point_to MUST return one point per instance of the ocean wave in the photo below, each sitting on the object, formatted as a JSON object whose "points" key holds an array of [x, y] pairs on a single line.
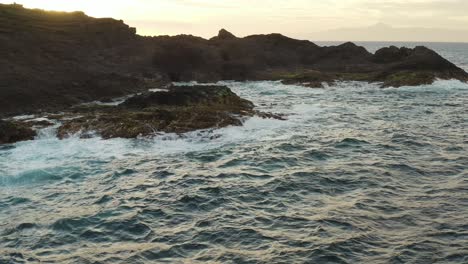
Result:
{"points": [[355, 174]]}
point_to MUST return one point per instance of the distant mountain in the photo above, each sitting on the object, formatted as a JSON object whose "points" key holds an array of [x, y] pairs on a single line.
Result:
{"points": [[383, 32]]}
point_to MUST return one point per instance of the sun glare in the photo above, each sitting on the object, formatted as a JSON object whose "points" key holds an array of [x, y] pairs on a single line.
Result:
{"points": [[101, 8]]}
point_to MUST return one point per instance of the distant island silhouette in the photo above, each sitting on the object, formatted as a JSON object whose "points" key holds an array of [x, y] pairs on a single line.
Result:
{"points": [[384, 32]]}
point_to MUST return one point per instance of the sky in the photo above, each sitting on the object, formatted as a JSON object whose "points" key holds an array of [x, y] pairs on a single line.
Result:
{"points": [[295, 18]]}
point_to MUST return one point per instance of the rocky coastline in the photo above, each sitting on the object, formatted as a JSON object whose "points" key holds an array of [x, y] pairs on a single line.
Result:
{"points": [[175, 109], [178, 110], [53, 62]]}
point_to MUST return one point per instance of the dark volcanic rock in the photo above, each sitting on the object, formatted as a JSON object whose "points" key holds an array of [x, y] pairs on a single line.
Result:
{"points": [[52, 60], [181, 109], [13, 132], [224, 35], [347, 57], [203, 95], [276, 57], [414, 67], [391, 54], [186, 58]]}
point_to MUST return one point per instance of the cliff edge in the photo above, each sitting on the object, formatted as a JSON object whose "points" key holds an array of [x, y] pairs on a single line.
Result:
{"points": [[52, 60]]}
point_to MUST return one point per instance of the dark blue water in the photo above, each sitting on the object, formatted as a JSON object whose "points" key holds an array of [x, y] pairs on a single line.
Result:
{"points": [[357, 174]]}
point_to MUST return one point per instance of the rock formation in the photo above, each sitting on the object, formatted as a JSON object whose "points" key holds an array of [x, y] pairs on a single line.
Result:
{"points": [[50, 61], [178, 110], [12, 132]]}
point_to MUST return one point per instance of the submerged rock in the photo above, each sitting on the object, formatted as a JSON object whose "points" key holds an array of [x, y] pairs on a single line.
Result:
{"points": [[181, 109], [11, 132]]}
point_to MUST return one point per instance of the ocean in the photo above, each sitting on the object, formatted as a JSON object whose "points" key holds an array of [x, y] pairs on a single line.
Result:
{"points": [[356, 174]]}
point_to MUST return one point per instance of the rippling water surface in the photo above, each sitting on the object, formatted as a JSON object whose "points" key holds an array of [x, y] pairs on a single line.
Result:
{"points": [[357, 174]]}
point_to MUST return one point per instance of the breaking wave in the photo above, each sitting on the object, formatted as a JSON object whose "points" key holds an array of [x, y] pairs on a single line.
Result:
{"points": [[356, 174]]}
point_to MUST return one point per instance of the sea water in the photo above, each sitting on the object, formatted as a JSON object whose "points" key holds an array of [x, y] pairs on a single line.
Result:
{"points": [[356, 174]]}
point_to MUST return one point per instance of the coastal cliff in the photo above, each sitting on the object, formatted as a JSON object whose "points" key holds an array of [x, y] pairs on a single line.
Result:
{"points": [[52, 60]]}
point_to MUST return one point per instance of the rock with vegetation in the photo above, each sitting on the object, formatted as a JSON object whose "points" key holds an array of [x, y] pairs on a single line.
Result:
{"points": [[178, 110]]}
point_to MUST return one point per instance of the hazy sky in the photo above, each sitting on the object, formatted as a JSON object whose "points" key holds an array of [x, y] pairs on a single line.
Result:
{"points": [[296, 18]]}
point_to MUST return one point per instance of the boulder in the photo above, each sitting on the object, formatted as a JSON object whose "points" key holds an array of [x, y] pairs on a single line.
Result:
{"points": [[198, 95], [224, 35], [11, 132], [391, 54], [181, 109]]}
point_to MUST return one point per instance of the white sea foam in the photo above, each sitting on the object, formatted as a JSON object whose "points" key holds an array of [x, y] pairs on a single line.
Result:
{"points": [[438, 86], [301, 106], [23, 117], [158, 90], [114, 102]]}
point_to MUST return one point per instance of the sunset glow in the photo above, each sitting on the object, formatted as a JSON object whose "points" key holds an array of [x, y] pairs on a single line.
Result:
{"points": [[93, 8], [296, 18]]}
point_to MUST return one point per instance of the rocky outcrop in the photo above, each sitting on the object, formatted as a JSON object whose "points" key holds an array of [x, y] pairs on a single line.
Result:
{"points": [[50, 61], [11, 132], [276, 57], [178, 110], [388, 66], [224, 35], [53, 60], [414, 67], [185, 96], [391, 54]]}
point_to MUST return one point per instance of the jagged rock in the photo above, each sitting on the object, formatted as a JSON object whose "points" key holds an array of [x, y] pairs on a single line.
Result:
{"points": [[180, 109], [415, 67], [199, 95], [11, 132], [224, 35], [52, 60], [391, 54]]}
